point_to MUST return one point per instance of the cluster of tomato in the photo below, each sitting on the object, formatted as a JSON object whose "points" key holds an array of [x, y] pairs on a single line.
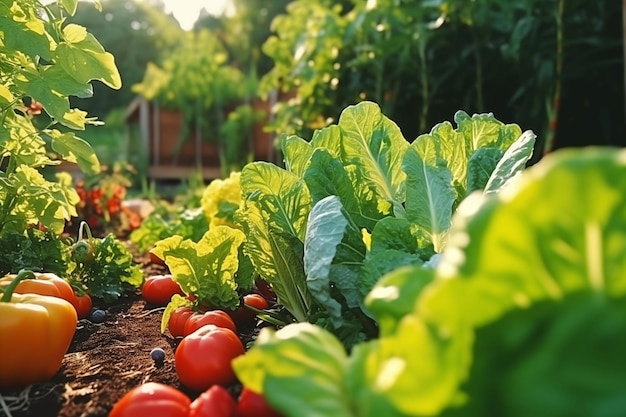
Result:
{"points": [[208, 343]]}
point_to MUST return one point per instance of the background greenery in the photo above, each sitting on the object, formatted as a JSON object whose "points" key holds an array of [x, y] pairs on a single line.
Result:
{"points": [[420, 60]]}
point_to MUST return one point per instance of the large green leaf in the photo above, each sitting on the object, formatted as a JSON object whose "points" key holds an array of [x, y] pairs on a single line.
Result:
{"points": [[429, 192], [558, 231], [75, 149], [512, 163], [300, 370], [325, 231], [82, 56], [23, 32], [481, 166], [485, 131], [275, 210], [326, 176], [375, 146]]}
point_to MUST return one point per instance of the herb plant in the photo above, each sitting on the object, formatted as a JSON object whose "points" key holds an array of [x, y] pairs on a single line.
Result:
{"points": [[44, 61]]}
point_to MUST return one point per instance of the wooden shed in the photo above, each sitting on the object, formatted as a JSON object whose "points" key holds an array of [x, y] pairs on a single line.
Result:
{"points": [[154, 132]]}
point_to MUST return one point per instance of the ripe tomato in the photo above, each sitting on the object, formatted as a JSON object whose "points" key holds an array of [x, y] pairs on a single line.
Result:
{"points": [[203, 358], [252, 404], [156, 260], [158, 289], [214, 402], [217, 317], [152, 399], [177, 320], [83, 305], [265, 290], [243, 315]]}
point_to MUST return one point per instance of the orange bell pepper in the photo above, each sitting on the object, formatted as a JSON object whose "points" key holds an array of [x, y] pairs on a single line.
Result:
{"points": [[42, 283], [36, 331]]}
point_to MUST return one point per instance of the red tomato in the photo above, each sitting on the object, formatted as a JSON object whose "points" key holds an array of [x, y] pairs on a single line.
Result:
{"points": [[203, 357], [152, 399], [252, 404], [214, 402], [265, 290], [159, 289], [177, 320], [156, 260], [217, 317], [83, 305], [243, 315]]}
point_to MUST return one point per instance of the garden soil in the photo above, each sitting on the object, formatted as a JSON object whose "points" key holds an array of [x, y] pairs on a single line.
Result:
{"points": [[105, 361]]}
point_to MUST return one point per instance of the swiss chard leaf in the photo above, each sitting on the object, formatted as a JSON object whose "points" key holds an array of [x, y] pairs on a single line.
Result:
{"points": [[481, 166], [429, 193], [512, 163]]}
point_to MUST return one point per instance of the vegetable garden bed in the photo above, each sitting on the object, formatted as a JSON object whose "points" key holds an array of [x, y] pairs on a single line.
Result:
{"points": [[106, 360]]}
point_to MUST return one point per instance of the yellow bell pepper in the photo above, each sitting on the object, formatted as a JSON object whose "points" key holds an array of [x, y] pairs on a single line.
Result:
{"points": [[35, 333]]}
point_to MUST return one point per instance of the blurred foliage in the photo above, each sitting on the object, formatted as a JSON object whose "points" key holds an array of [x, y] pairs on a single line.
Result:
{"points": [[419, 60], [423, 60]]}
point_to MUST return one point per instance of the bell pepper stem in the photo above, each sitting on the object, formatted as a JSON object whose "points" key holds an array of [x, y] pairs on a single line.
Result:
{"points": [[8, 291]]}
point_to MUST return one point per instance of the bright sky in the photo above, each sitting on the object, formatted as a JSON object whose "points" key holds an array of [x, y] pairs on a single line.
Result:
{"points": [[186, 11]]}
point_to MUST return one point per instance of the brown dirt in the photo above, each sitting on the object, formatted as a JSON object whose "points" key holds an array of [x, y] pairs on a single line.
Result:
{"points": [[106, 360]]}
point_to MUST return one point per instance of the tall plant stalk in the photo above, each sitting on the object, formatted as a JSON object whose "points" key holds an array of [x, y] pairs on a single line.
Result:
{"points": [[553, 109]]}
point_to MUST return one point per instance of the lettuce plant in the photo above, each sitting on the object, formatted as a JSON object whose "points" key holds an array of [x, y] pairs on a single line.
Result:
{"points": [[305, 223], [44, 61], [523, 315]]}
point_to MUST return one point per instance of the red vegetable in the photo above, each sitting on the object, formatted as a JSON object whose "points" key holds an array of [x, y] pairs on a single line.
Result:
{"points": [[265, 290], [177, 320], [203, 357], [252, 404], [152, 399], [214, 402], [159, 289], [216, 317], [156, 260], [82, 304], [243, 315]]}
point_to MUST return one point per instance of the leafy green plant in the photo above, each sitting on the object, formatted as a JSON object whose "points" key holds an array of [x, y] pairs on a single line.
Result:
{"points": [[44, 61], [305, 223], [530, 287], [102, 267]]}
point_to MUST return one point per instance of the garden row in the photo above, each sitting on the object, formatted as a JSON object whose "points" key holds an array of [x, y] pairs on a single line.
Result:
{"points": [[438, 276]]}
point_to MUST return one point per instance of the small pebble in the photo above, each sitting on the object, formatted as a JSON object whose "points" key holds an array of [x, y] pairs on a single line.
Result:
{"points": [[98, 316], [157, 355]]}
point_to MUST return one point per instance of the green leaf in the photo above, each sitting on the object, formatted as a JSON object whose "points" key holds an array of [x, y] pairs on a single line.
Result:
{"points": [[375, 146], [512, 163], [26, 36], [393, 233], [379, 264], [289, 283], [325, 231], [207, 268], [61, 82], [556, 232], [76, 150], [84, 59], [297, 153], [429, 193], [69, 5], [413, 372], [395, 295], [485, 131], [480, 167], [299, 369], [326, 176]]}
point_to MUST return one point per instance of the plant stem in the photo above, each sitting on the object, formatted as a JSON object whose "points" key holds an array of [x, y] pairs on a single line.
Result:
{"points": [[10, 289], [553, 110]]}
